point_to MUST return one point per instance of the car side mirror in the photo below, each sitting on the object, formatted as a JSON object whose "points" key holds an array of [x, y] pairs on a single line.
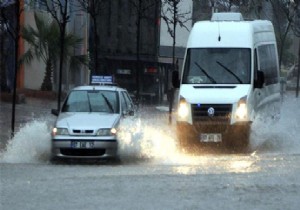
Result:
{"points": [[175, 79], [131, 113], [260, 79], [128, 113], [54, 112]]}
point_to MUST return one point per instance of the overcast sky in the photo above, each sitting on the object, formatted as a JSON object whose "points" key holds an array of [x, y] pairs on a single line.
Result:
{"points": [[181, 33]]}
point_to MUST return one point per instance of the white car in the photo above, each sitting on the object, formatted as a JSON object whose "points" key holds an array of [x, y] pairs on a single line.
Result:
{"points": [[88, 121]]}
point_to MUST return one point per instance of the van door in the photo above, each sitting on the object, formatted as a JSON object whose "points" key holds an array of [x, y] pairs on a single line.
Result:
{"points": [[266, 81]]}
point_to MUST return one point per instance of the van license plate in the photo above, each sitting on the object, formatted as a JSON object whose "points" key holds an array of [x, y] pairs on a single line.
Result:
{"points": [[82, 144], [211, 137]]}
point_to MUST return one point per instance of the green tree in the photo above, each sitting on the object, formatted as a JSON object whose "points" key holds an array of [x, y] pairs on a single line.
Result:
{"points": [[44, 42]]}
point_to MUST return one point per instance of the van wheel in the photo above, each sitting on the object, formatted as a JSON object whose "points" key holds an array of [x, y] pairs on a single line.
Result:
{"points": [[237, 138], [185, 137]]}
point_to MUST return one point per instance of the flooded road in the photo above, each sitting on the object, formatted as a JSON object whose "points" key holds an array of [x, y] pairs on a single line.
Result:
{"points": [[153, 173]]}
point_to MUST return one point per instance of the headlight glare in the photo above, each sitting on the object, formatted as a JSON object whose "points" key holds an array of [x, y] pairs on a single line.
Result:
{"points": [[241, 111], [183, 109], [113, 131]]}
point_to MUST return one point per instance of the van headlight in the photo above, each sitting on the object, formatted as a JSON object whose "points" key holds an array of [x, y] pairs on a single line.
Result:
{"points": [[241, 111], [60, 131], [107, 132], [183, 108]]}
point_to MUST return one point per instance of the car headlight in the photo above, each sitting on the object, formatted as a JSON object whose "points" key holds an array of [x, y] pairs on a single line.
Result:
{"points": [[183, 109], [106, 132], [60, 131], [241, 111]]}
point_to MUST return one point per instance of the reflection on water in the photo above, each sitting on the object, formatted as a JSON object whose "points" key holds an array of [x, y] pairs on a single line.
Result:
{"points": [[219, 164]]}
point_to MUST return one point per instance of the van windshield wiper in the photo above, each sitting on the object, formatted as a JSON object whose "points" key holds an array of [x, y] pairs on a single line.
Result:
{"points": [[229, 71], [206, 74], [108, 103]]}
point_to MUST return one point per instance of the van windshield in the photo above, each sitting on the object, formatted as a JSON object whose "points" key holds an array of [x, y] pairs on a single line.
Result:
{"points": [[217, 66]]}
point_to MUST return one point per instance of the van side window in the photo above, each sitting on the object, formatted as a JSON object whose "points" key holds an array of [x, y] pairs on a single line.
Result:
{"points": [[268, 63], [255, 65]]}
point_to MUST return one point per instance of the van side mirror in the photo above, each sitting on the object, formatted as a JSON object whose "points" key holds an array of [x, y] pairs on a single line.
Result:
{"points": [[54, 112], [260, 79], [175, 79]]}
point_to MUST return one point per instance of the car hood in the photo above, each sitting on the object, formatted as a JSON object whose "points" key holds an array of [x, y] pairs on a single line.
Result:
{"points": [[87, 120]]}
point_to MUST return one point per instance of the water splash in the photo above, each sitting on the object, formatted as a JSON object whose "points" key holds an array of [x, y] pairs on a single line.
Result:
{"points": [[31, 144], [280, 136], [148, 136]]}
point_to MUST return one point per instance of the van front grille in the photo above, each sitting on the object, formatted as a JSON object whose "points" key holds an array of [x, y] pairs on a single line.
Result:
{"points": [[211, 113]]}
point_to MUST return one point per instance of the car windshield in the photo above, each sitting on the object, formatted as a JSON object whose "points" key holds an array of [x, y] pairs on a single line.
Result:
{"points": [[217, 66], [92, 101]]}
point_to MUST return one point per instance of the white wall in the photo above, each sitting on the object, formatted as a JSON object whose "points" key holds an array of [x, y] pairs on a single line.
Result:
{"points": [[35, 71]]}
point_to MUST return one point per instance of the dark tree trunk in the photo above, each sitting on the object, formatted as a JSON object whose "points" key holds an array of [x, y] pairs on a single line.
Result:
{"points": [[138, 30], [96, 57], [47, 82]]}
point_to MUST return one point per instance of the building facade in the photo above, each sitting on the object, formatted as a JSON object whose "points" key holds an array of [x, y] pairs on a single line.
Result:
{"points": [[128, 34]]}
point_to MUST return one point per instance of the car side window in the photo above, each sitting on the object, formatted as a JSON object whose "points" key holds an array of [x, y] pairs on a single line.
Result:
{"points": [[123, 103], [128, 101]]}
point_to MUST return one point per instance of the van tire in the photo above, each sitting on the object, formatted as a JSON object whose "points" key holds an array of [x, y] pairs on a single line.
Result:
{"points": [[238, 137], [185, 137]]}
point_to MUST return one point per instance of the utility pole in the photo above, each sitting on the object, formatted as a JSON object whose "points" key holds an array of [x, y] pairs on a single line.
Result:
{"points": [[17, 36], [298, 74]]}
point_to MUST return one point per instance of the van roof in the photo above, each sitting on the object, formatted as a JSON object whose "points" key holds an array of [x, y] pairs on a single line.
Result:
{"points": [[226, 33], [227, 16]]}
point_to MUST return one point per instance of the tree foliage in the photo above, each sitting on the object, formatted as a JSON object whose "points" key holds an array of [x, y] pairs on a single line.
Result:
{"points": [[59, 10], [43, 42]]}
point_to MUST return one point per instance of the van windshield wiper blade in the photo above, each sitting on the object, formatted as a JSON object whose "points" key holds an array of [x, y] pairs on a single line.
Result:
{"points": [[206, 74], [229, 71]]}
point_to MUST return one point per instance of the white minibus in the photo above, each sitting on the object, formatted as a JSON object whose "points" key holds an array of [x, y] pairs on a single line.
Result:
{"points": [[230, 77]]}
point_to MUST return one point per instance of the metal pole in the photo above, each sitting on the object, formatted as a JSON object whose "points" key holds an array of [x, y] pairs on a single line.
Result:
{"points": [[17, 16], [175, 4], [298, 75]]}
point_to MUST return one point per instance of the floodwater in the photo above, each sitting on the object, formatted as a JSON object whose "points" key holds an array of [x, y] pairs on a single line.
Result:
{"points": [[153, 173]]}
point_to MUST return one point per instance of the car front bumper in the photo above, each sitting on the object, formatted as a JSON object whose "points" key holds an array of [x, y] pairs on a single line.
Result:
{"points": [[101, 149]]}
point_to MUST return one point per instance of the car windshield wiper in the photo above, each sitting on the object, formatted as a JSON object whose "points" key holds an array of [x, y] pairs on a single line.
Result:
{"points": [[89, 101], [229, 71], [108, 103], [206, 74]]}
